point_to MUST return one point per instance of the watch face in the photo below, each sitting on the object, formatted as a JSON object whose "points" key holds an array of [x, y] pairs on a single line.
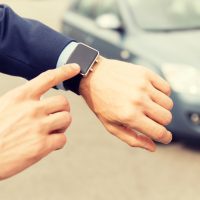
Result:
{"points": [[85, 56]]}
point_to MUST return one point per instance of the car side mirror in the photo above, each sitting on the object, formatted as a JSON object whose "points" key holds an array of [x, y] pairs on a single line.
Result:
{"points": [[109, 21]]}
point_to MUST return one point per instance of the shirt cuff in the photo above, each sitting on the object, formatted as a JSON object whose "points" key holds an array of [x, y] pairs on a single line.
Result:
{"points": [[64, 56]]}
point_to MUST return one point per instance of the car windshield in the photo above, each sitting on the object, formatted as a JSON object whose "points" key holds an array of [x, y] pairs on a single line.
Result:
{"points": [[166, 14]]}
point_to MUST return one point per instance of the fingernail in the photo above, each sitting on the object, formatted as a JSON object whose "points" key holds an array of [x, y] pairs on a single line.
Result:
{"points": [[71, 66], [74, 66], [171, 137], [168, 137]]}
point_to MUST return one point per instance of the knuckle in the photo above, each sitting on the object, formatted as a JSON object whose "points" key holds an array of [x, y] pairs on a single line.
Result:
{"points": [[35, 109], [143, 84], [67, 119], [146, 72], [138, 100], [50, 76], [38, 107], [40, 127], [110, 129], [130, 119], [63, 140], [132, 143], [31, 111], [135, 142], [63, 101], [58, 143], [165, 119], [127, 115], [168, 89], [168, 119]]}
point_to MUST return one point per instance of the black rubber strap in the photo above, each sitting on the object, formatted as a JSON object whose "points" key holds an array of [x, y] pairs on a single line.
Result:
{"points": [[73, 84]]}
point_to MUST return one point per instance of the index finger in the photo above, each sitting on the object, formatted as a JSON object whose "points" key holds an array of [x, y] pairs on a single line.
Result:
{"points": [[159, 83], [45, 81]]}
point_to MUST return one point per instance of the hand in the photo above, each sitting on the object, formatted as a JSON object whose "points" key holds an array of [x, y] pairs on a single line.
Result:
{"points": [[31, 128], [129, 99]]}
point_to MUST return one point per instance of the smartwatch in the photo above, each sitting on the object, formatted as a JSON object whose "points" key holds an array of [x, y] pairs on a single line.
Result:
{"points": [[85, 56]]}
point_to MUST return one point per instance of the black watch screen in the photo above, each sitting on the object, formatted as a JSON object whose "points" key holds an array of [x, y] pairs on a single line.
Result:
{"points": [[84, 56]]}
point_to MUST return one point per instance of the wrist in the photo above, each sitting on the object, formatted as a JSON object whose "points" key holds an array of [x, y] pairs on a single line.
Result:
{"points": [[87, 84]]}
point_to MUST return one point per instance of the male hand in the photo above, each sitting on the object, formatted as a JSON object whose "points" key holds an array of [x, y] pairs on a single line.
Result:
{"points": [[31, 128], [129, 99]]}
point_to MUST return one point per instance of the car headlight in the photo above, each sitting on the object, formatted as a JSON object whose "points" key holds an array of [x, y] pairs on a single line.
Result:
{"points": [[183, 78]]}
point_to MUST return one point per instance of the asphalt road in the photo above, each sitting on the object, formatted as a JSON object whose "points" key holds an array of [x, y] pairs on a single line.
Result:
{"points": [[94, 165]]}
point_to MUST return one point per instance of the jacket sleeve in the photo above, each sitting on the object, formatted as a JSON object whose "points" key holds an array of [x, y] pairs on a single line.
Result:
{"points": [[27, 47]]}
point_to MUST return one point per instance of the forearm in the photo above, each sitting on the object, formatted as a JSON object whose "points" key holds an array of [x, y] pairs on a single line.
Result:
{"points": [[27, 47]]}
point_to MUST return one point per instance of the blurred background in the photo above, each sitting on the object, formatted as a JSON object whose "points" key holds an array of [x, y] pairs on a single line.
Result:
{"points": [[160, 34]]}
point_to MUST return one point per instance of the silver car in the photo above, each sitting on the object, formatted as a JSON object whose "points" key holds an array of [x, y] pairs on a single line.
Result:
{"points": [[163, 35]]}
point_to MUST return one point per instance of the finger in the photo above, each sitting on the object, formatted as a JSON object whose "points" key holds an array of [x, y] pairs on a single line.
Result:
{"points": [[161, 99], [56, 141], [132, 138], [61, 130], [55, 104], [159, 83], [158, 113], [58, 121], [152, 129], [51, 78]]}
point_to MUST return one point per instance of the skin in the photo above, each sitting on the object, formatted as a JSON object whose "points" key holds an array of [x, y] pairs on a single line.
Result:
{"points": [[31, 127], [131, 101]]}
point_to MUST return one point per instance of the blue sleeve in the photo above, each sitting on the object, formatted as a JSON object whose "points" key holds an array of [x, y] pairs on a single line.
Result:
{"points": [[27, 47]]}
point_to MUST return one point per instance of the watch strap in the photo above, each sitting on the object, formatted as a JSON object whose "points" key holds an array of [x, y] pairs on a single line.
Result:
{"points": [[73, 84]]}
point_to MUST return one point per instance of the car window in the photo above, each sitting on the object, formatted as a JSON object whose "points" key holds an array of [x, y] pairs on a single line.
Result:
{"points": [[166, 15], [94, 8], [86, 8], [107, 6]]}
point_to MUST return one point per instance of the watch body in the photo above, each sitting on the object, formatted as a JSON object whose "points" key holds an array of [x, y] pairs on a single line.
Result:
{"points": [[85, 57]]}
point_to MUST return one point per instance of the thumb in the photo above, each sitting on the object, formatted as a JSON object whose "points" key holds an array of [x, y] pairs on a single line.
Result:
{"points": [[45, 81]]}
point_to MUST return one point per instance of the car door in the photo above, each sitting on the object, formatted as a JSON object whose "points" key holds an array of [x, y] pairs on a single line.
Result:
{"points": [[82, 23], [77, 20]]}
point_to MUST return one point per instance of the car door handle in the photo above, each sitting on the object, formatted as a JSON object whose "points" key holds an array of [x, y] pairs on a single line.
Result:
{"points": [[89, 40], [125, 54]]}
